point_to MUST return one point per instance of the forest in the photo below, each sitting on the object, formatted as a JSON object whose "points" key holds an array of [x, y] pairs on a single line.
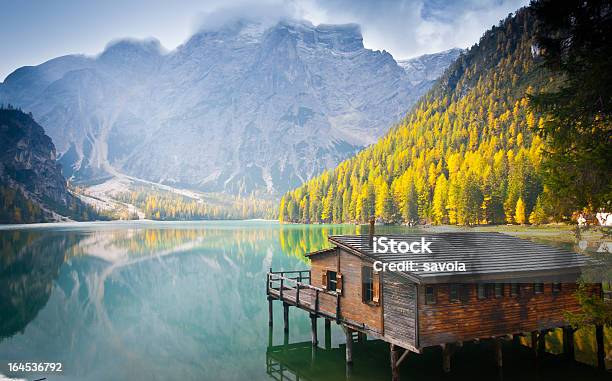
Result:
{"points": [[471, 151], [168, 206]]}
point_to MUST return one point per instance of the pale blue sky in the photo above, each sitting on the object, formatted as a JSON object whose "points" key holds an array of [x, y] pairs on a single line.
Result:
{"points": [[32, 32]]}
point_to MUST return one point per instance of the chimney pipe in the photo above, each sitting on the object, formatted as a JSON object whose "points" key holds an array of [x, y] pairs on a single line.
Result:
{"points": [[371, 231]]}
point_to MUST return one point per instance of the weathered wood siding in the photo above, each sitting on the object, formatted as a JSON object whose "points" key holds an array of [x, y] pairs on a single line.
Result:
{"points": [[351, 304], [319, 265], [399, 306], [446, 321]]}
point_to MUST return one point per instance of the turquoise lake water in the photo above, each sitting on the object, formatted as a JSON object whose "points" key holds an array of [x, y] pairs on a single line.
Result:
{"points": [[186, 301]]}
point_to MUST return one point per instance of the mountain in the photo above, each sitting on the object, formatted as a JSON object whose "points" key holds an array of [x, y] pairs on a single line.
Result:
{"points": [[424, 71], [32, 187], [466, 154], [243, 108]]}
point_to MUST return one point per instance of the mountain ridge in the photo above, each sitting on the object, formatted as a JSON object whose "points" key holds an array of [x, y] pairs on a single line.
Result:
{"points": [[465, 155], [246, 108]]}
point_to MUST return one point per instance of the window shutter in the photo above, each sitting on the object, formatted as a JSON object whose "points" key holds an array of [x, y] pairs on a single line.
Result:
{"points": [[375, 287], [324, 280], [339, 283]]}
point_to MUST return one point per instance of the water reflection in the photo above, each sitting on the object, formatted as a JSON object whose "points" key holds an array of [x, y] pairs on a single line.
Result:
{"points": [[300, 361], [160, 301], [26, 276]]}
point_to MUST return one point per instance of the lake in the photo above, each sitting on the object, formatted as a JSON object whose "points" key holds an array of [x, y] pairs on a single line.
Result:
{"points": [[186, 301]]}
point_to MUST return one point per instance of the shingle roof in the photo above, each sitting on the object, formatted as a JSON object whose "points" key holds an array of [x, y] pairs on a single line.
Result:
{"points": [[486, 256]]}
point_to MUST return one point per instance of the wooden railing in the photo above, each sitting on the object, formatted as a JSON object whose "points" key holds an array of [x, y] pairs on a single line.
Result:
{"points": [[283, 282]]}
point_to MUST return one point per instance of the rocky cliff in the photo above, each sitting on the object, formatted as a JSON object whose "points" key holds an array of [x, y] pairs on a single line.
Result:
{"points": [[32, 186]]}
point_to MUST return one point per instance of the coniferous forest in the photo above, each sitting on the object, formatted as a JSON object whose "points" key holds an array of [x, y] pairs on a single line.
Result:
{"points": [[474, 150]]}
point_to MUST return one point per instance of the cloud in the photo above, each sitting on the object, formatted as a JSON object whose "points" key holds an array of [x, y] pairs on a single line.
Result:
{"points": [[408, 28], [266, 12], [405, 28]]}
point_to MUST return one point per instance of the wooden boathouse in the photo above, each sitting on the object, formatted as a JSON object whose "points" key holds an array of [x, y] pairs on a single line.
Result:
{"points": [[510, 287]]}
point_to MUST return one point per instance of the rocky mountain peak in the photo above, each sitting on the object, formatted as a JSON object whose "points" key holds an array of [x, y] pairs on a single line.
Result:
{"points": [[244, 107]]}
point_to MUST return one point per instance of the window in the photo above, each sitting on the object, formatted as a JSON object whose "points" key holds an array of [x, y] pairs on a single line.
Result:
{"points": [[430, 295], [332, 280], [514, 289], [499, 290], [464, 292], [556, 288], [370, 285], [482, 290], [367, 284], [454, 292], [538, 288]]}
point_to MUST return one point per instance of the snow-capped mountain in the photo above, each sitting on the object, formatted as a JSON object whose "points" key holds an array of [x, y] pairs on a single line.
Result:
{"points": [[242, 108]]}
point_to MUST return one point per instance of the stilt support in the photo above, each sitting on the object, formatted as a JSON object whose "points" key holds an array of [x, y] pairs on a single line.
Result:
{"points": [[327, 334], [270, 336], [395, 359], [568, 343], [542, 343], [534, 342], [601, 354], [498, 352], [447, 352], [270, 312], [286, 316], [349, 344], [313, 329]]}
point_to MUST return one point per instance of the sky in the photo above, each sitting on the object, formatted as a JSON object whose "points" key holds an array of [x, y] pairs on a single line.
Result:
{"points": [[32, 32]]}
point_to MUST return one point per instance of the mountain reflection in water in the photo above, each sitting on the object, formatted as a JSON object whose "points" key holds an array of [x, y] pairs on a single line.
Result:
{"points": [[167, 301]]}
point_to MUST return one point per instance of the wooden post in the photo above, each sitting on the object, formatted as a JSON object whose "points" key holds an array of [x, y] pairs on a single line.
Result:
{"points": [[534, 342], [348, 372], [498, 352], [349, 344], [286, 316], [313, 329], [394, 354], [568, 343], [542, 343], [270, 312], [447, 352], [327, 334], [313, 355], [601, 354], [270, 336]]}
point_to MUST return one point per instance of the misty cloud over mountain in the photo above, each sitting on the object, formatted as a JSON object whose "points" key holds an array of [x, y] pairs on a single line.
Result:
{"points": [[241, 108]]}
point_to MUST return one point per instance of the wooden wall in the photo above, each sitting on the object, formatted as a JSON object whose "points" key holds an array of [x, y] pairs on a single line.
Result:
{"points": [[446, 321], [351, 303], [319, 264], [399, 306]]}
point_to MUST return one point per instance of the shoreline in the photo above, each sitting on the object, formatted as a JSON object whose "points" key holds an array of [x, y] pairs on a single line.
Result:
{"points": [[39, 225]]}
